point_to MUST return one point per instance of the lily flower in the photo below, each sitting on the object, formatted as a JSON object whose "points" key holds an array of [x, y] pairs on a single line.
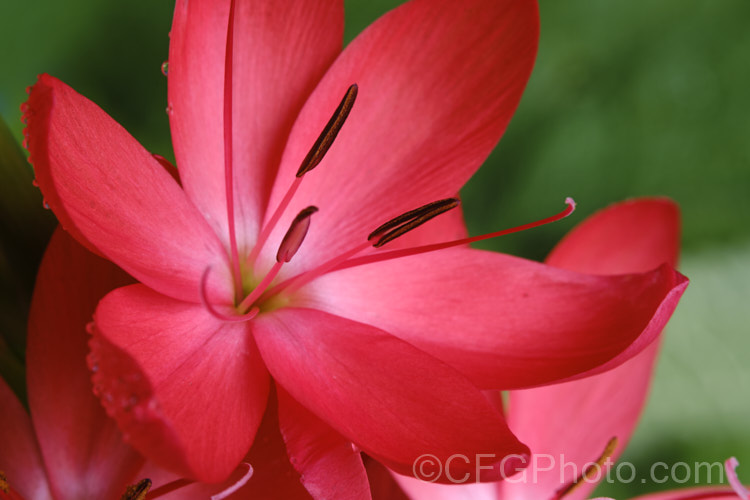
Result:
{"points": [[568, 425], [67, 447], [370, 349]]}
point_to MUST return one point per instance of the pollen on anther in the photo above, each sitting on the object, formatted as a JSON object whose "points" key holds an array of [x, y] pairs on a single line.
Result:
{"points": [[137, 491], [295, 235], [329, 133], [410, 220]]}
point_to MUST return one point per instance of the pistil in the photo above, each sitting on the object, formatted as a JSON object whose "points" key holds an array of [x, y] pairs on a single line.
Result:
{"points": [[212, 310]]}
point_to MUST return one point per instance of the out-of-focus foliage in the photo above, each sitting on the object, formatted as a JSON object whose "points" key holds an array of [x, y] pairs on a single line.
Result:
{"points": [[630, 99], [111, 52], [627, 99], [24, 229]]}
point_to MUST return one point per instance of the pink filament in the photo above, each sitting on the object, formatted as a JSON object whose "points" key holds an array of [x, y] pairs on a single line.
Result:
{"points": [[395, 254], [268, 227], [228, 173], [248, 301], [342, 261]]}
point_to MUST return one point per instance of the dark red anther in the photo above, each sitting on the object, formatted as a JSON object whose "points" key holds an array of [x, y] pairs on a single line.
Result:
{"points": [[295, 235], [412, 219], [329, 133]]}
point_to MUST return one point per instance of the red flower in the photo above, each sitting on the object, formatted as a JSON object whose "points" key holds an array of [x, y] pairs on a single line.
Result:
{"points": [[388, 353]]}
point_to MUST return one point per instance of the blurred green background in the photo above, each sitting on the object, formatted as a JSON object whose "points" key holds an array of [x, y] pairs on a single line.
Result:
{"points": [[627, 99]]}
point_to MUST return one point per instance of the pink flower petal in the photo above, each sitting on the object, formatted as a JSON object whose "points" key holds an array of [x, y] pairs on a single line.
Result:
{"points": [[327, 463], [187, 390], [585, 413], [633, 236], [383, 486], [280, 52], [438, 83], [114, 196], [502, 321], [83, 450], [20, 457], [273, 475], [391, 399]]}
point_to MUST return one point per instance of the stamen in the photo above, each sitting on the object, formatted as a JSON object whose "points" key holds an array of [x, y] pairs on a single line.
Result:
{"points": [[330, 131], [169, 488], [392, 228], [730, 465], [395, 254], [412, 219], [295, 235], [216, 314], [592, 470], [6, 491], [236, 486], [137, 491], [289, 246], [386, 232], [313, 158], [228, 174], [297, 281]]}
